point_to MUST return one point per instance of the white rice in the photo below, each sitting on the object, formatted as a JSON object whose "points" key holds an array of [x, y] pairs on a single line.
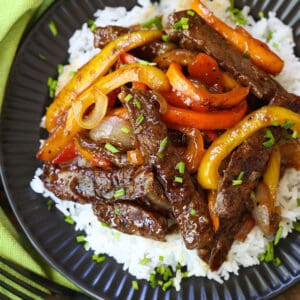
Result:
{"points": [[134, 248]]}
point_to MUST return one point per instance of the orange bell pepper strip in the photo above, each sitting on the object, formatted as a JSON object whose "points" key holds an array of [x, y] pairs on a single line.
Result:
{"points": [[67, 154], [94, 159], [208, 173], [197, 98], [195, 149], [60, 138], [96, 67], [211, 197], [206, 69], [221, 119], [259, 52]]}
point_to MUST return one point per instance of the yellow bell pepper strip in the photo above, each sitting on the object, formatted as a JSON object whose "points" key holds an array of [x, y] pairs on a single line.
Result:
{"points": [[208, 175], [198, 99], [220, 119], [60, 138], [96, 67], [258, 52], [63, 134], [272, 174]]}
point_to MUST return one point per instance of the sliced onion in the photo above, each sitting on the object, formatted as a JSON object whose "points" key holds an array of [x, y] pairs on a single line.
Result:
{"points": [[163, 105], [90, 110], [115, 130]]}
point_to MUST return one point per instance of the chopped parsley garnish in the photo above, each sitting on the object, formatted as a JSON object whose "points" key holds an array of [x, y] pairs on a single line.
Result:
{"points": [[92, 25], [144, 261], [161, 258], [154, 22], [118, 212], [165, 38], [275, 45], [53, 28], [119, 193], [271, 140], [287, 125], [236, 15], [269, 36], [50, 204], [277, 261], [111, 148], [105, 224], [178, 179], [180, 167], [239, 180], [246, 55], [191, 13], [146, 63], [261, 14], [80, 238], [69, 220], [163, 144], [52, 84], [167, 285], [140, 119], [193, 212], [72, 73], [278, 235], [275, 123], [296, 226], [128, 98], [137, 104], [135, 285], [295, 134], [183, 23], [42, 56], [125, 129], [60, 69], [98, 258]]}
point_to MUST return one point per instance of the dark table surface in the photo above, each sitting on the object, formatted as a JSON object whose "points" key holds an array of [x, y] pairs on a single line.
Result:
{"points": [[292, 293]]}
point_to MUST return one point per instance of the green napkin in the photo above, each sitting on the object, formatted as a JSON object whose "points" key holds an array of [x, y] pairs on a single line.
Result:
{"points": [[15, 17]]}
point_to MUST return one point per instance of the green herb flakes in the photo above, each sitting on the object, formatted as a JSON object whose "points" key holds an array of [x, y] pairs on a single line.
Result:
{"points": [[80, 238], [269, 36], [296, 225], [191, 13], [183, 23], [50, 204], [128, 98], [98, 258], [154, 22], [295, 134], [278, 235], [246, 55], [52, 85], [92, 25], [144, 261], [104, 224], [42, 56], [165, 38], [53, 28], [111, 148], [60, 69], [236, 15], [178, 179], [69, 220], [193, 212], [271, 140], [119, 193], [135, 285], [180, 167], [125, 129], [140, 119], [239, 180], [137, 104], [287, 125]]}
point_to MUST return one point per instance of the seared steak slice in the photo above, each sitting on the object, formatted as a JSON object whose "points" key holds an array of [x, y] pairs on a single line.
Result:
{"points": [[129, 217], [104, 35], [118, 159], [223, 240], [201, 37], [251, 157], [189, 208], [85, 185]]}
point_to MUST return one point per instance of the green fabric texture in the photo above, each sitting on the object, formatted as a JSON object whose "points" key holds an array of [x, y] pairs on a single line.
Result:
{"points": [[15, 16]]}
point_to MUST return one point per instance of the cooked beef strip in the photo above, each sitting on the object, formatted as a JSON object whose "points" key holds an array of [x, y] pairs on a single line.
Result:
{"points": [[104, 35], [201, 37], [131, 218], [234, 200], [189, 208], [83, 185], [181, 56], [223, 240], [118, 159]]}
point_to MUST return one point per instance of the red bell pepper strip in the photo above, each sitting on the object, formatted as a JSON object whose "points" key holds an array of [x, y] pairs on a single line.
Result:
{"points": [[198, 98], [68, 153]]}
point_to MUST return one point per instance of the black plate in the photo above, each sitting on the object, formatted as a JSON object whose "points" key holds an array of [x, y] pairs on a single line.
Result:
{"points": [[24, 105]]}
